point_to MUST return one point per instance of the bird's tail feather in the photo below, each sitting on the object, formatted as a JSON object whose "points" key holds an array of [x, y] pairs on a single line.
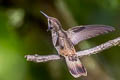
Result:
{"points": [[75, 66]]}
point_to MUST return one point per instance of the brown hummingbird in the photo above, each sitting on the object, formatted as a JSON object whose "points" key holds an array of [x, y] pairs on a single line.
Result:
{"points": [[64, 42]]}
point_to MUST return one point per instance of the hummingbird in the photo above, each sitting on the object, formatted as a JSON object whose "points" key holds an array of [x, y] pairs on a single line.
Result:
{"points": [[64, 42]]}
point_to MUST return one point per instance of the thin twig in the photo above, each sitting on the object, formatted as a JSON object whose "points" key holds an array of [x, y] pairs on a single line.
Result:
{"points": [[100, 48], [41, 58], [97, 49]]}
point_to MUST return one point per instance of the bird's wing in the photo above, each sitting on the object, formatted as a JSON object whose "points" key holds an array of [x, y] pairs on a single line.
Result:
{"points": [[80, 33]]}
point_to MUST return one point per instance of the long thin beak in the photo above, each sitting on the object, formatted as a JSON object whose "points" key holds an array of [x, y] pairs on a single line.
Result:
{"points": [[44, 14], [47, 18]]}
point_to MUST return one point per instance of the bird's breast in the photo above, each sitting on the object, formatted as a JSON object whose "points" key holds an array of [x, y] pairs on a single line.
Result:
{"points": [[67, 49], [67, 52], [63, 44]]}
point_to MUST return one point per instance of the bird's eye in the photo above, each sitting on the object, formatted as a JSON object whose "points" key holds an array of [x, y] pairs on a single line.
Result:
{"points": [[50, 22], [51, 27]]}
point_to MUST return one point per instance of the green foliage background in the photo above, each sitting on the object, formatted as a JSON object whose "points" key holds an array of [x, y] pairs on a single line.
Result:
{"points": [[23, 31]]}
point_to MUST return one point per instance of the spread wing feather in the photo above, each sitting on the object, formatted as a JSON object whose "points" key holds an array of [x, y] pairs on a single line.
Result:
{"points": [[80, 33]]}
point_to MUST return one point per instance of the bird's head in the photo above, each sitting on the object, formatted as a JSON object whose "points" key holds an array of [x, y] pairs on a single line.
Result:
{"points": [[53, 23]]}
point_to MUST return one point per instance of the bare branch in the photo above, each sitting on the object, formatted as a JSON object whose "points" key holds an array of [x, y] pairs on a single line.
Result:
{"points": [[100, 48], [97, 49], [41, 58]]}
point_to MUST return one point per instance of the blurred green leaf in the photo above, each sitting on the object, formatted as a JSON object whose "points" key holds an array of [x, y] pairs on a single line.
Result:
{"points": [[13, 66]]}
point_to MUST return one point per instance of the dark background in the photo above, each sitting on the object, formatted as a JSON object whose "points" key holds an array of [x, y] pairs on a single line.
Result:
{"points": [[23, 31]]}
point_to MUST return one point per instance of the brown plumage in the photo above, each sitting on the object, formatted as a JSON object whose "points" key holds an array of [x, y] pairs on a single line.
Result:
{"points": [[64, 42]]}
